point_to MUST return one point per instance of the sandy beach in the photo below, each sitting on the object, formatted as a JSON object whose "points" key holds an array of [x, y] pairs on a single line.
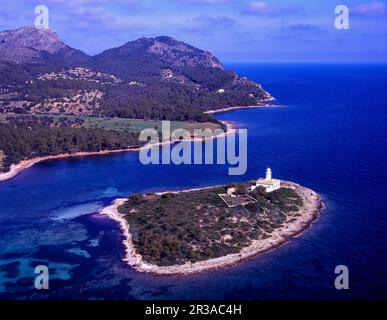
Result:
{"points": [[311, 210], [22, 165], [261, 104], [242, 107]]}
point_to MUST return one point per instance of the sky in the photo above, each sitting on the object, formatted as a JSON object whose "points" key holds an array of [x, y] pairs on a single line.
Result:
{"points": [[251, 31]]}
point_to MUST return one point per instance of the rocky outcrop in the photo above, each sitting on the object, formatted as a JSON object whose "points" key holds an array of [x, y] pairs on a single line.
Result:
{"points": [[30, 44]]}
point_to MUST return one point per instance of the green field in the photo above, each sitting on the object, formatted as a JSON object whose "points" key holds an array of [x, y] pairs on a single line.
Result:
{"points": [[134, 125], [138, 125]]}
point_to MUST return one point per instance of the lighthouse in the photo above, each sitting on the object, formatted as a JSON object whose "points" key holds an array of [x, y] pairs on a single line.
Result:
{"points": [[268, 173], [268, 183]]}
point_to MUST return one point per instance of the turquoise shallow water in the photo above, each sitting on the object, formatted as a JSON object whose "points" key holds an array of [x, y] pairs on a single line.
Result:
{"points": [[328, 135]]}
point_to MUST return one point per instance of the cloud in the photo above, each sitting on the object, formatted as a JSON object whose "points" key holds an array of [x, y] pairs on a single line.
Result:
{"points": [[84, 2], [8, 12], [47, 2], [264, 8], [286, 39], [300, 34], [203, 1], [205, 24], [373, 9], [90, 13], [63, 4], [302, 28], [221, 21]]}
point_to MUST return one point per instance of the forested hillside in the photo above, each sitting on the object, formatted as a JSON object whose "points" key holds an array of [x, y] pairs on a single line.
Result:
{"points": [[23, 141], [150, 78]]}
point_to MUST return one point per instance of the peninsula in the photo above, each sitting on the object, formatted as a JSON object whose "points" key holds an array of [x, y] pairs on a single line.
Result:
{"points": [[203, 229], [56, 101]]}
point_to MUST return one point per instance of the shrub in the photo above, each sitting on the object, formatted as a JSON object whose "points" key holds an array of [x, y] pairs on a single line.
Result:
{"points": [[252, 207], [135, 198], [168, 195]]}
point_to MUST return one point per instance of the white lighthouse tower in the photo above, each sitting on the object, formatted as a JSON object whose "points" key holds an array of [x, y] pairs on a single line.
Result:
{"points": [[268, 183], [268, 173]]}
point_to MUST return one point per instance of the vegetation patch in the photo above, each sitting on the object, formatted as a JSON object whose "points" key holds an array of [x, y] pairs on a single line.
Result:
{"points": [[26, 141], [26, 136], [107, 123], [2, 158], [174, 228]]}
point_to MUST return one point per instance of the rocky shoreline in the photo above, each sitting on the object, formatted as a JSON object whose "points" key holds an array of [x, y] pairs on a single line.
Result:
{"points": [[309, 213]]}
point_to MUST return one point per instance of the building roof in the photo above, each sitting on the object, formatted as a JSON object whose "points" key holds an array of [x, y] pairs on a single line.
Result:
{"points": [[268, 182]]}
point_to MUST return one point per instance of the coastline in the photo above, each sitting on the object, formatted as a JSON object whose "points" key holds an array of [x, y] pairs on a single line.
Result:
{"points": [[261, 104], [25, 164], [309, 213]]}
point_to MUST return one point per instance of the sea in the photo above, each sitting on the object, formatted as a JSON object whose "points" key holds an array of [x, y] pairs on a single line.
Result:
{"points": [[328, 133]]}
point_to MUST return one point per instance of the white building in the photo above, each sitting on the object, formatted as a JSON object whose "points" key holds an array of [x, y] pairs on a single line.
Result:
{"points": [[268, 183], [231, 192]]}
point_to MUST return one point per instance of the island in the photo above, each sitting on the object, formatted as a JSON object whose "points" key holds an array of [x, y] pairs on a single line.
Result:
{"points": [[191, 231]]}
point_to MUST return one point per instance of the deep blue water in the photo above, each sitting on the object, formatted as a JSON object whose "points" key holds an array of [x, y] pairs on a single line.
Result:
{"points": [[329, 135]]}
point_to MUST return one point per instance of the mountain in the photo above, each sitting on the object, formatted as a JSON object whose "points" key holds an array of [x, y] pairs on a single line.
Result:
{"points": [[151, 55], [35, 45], [149, 78]]}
